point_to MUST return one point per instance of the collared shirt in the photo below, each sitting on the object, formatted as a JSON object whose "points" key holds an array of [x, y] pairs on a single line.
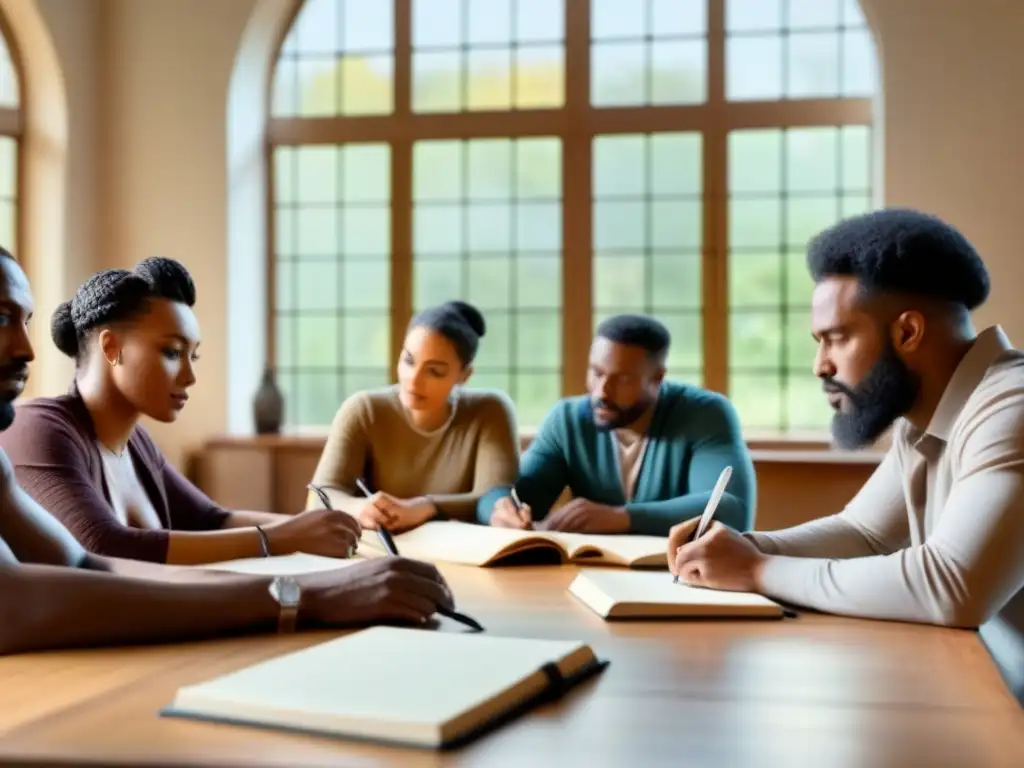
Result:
{"points": [[936, 535]]}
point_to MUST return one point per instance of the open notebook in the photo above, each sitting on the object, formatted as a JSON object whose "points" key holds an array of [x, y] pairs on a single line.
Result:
{"points": [[406, 686], [484, 545], [630, 595]]}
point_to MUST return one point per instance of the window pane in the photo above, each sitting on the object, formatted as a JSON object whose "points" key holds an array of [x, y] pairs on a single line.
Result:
{"points": [[758, 400], [648, 226], [489, 282], [316, 285], [480, 55], [332, 246], [337, 59], [366, 339], [496, 242], [675, 281], [648, 52], [10, 91], [753, 68], [772, 218], [316, 398], [797, 50], [366, 284], [317, 341], [8, 193], [685, 355]]}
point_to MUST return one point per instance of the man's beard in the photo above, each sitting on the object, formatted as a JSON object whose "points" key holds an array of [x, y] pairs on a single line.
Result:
{"points": [[6, 413], [623, 416], [886, 393]]}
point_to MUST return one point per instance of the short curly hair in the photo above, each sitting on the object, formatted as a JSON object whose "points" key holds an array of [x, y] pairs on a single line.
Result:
{"points": [[902, 251], [641, 331], [118, 295]]}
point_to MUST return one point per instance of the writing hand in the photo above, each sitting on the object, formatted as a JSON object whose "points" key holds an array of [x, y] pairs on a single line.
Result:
{"points": [[327, 532], [506, 515], [379, 589], [720, 559]]}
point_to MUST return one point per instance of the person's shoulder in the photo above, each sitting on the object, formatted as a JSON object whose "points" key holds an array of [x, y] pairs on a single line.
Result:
{"points": [[47, 415], [689, 401], [998, 396], [486, 402]]}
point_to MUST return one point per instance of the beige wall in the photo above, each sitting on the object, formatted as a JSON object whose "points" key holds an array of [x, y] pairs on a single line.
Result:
{"points": [[148, 80]]}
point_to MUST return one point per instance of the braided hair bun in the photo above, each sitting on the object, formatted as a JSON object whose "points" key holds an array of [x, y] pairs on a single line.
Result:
{"points": [[117, 295]]}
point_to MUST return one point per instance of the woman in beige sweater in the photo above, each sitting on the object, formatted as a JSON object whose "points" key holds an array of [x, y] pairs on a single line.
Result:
{"points": [[424, 448]]}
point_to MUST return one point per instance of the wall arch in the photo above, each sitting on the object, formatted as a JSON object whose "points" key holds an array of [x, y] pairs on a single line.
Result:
{"points": [[247, 110]]}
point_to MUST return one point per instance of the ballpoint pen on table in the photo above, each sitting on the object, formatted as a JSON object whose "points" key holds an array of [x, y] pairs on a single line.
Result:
{"points": [[709, 510], [389, 546]]}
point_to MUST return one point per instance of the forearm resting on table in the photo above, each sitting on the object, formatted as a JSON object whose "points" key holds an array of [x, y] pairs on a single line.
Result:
{"points": [[195, 548], [924, 584], [49, 607], [245, 518]]}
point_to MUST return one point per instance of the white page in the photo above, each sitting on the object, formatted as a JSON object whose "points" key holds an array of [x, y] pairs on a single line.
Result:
{"points": [[629, 547], [388, 678], [280, 565], [658, 587]]}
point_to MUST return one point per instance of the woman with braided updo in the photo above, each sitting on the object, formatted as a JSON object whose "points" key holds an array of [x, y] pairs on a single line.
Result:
{"points": [[84, 457]]}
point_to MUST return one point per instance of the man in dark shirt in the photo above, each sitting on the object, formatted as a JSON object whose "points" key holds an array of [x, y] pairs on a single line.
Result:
{"points": [[54, 594]]}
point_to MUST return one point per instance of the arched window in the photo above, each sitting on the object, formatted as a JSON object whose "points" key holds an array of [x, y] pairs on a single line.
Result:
{"points": [[555, 162], [10, 136]]}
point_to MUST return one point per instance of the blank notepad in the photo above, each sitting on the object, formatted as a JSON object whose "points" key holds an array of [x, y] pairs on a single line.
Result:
{"points": [[391, 684], [615, 594]]}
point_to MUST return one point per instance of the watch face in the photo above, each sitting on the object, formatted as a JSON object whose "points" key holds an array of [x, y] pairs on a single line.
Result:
{"points": [[286, 590]]}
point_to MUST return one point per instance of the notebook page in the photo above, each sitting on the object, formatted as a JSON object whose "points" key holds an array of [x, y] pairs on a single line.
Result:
{"points": [[279, 565], [382, 682], [455, 542], [658, 587], [628, 548]]}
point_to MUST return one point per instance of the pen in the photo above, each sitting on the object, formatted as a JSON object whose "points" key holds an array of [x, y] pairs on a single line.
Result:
{"points": [[389, 546], [709, 509], [518, 504]]}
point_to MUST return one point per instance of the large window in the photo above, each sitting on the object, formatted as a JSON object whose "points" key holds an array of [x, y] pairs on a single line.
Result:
{"points": [[555, 162], [10, 132]]}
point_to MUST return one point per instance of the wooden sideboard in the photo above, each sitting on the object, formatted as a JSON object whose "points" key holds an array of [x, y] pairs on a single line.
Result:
{"points": [[270, 473]]}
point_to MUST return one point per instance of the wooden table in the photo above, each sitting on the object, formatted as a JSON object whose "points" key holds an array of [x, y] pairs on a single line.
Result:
{"points": [[812, 691]]}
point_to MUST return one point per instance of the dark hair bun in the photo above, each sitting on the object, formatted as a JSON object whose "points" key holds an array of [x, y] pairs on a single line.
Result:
{"points": [[167, 279], [62, 329], [470, 315]]}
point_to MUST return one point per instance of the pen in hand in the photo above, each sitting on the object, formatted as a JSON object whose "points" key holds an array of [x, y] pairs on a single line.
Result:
{"points": [[519, 507], [391, 549], [709, 510]]}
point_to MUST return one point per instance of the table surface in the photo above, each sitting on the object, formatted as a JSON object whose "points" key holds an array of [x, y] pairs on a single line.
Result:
{"points": [[815, 690]]}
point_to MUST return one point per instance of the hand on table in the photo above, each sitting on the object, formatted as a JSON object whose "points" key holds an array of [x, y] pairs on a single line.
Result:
{"points": [[327, 532], [396, 515], [379, 589], [720, 559], [585, 516], [506, 515]]}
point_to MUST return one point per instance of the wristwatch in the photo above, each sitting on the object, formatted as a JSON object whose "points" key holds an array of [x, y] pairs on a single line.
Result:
{"points": [[288, 594]]}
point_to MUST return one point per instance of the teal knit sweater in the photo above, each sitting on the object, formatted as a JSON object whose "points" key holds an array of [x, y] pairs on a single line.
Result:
{"points": [[694, 434]]}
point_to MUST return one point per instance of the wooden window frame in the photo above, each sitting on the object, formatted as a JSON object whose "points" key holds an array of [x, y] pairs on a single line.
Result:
{"points": [[576, 124]]}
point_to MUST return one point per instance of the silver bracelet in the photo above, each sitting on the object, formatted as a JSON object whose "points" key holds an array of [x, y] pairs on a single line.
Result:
{"points": [[264, 541]]}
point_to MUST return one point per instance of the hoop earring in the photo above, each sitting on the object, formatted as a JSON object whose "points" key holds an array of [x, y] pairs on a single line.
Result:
{"points": [[116, 360]]}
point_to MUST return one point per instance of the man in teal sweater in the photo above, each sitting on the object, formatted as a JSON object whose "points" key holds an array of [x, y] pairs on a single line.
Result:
{"points": [[639, 454]]}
